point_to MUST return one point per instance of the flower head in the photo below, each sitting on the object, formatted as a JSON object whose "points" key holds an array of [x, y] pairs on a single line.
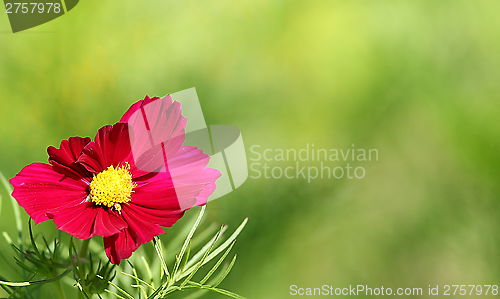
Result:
{"points": [[133, 179], [112, 187]]}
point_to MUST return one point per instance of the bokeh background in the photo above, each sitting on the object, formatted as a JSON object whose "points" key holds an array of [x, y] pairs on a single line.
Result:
{"points": [[417, 80]]}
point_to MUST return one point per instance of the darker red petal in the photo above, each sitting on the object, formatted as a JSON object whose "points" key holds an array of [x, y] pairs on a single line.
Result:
{"points": [[163, 217], [111, 147], [69, 150], [139, 231], [64, 158], [88, 220]]}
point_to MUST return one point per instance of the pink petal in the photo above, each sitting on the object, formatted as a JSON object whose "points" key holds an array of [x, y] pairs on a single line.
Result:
{"points": [[208, 189], [42, 192], [188, 168], [157, 191], [158, 130]]}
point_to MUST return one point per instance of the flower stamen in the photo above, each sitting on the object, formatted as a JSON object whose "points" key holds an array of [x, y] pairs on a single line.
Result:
{"points": [[112, 187]]}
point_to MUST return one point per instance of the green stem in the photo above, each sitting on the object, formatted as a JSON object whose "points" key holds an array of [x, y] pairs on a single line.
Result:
{"points": [[84, 249], [60, 289], [83, 255]]}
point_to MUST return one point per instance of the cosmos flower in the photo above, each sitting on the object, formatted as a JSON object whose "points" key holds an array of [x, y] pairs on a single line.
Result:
{"points": [[133, 179]]}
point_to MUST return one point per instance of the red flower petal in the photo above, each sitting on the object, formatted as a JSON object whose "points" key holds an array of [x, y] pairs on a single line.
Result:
{"points": [[163, 217], [139, 231], [88, 220], [119, 246], [42, 192], [111, 147], [64, 158], [69, 150]]}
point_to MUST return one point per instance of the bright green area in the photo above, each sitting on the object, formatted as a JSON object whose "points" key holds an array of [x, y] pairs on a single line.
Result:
{"points": [[417, 80]]}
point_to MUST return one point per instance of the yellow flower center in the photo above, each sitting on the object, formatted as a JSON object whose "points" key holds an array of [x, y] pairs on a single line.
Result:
{"points": [[112, 187]]}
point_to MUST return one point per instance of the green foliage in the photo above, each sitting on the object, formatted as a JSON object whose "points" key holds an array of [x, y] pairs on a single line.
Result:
{"points": [[41, 266]]}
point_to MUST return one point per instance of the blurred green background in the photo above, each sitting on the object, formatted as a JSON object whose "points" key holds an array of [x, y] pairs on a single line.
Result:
{"points": [[417, 80]]}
